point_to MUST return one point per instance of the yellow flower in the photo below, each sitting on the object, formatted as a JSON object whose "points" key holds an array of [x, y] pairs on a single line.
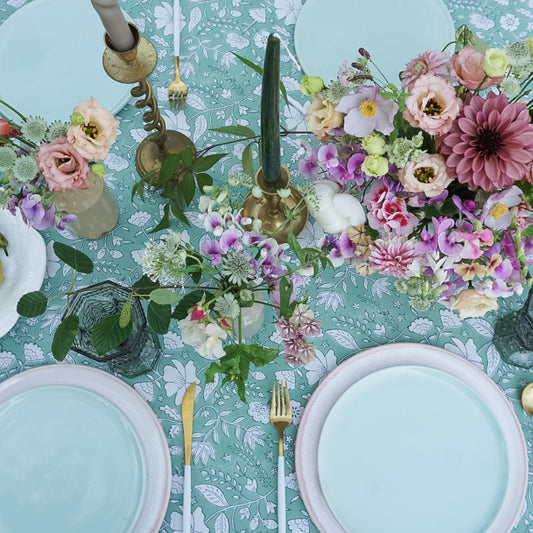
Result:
{"points": [[470, 303], [469, 271]]}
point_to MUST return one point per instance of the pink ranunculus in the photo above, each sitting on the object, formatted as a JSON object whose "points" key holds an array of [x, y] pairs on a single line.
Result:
{"points": [[432, 105], [62, 166], [468, 67], [98, 132]]}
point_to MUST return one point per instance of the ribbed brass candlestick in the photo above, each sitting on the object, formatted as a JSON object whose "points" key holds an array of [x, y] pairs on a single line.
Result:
{"points": [[278, 215], [134, 66]]}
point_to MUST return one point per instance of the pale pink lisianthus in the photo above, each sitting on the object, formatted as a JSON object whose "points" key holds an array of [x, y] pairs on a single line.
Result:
{"points": [[98, 132], [429, 62], [428, 175], [63, 167], [321, 116], [468, 68], [432, 105]]}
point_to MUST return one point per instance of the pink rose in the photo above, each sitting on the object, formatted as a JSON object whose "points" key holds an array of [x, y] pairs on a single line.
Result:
{"points": [[468, 66], [432, 105], [98, 132], [62, 166]]}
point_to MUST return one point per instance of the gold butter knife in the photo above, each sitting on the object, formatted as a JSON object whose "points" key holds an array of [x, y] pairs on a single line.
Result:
{"points": [[187, 411]]}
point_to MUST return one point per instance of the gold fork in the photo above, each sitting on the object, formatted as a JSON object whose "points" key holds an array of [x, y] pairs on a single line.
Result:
{"points": [[280, 418], [177, 90]]}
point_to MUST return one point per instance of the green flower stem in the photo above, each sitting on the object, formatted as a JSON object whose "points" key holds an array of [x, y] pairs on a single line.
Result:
{"points": [[13, 109]]}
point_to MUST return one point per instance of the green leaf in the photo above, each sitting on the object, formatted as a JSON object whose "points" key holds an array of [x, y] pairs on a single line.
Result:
{"points": [[197, 274], [159, 317], [108, 334], [295, 247], [187, 156], [32, 304], [138, 189], [205, 163], [249, 63], [178, 213], [202, 180], [165, 221], [164, 296], [168, 168], [240, 131], [213, 369], [148, 285], [189, 188], [248, 161], [188, 301], [64, 336], [254, 353], [285, 292], [73, 258], [528, 232], [125, 314]]}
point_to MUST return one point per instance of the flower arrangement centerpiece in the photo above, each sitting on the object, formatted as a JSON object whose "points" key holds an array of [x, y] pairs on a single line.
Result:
{"points": [[40, 160], [429, 181]]}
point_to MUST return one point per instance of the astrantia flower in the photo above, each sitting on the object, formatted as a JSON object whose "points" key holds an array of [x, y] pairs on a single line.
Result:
{"points": [[519, 54], [367, 111], [429, 62], [7, 158], [239, 267], [490, 145], [34, 129], [227, 306], [25, 168], [56, 129], [510, 87], [393, 256]]}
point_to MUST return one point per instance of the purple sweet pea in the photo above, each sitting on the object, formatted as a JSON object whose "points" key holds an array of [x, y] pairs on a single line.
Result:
{"points": [[367, 111], [34, 214]]}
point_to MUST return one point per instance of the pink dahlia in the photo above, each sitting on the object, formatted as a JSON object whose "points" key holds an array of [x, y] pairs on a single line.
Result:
{"points": [[393, 256], [428, 62], [490, 145]]}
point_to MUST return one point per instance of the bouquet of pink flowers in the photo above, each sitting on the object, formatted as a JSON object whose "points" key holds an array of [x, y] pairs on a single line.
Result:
{"points": [[38, 159], [429, 182]]}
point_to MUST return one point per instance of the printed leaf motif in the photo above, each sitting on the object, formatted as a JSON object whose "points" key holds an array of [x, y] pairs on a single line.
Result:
{"points": [[221, 524], [482, 327], [493, 359], [299, 525], [6, 360], [252, 437], [344, 338], [330, 300], [200, 126], [195, 102], [203, 451], [213, 495], [195, 17], [270, 524], [381, 287]]}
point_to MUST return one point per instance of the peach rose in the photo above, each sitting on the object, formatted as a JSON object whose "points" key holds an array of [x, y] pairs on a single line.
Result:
{"points": [[471, 304], [321, 116], [62, 166], [468, 66], [432, 105], [428, 175], [97, 132]]}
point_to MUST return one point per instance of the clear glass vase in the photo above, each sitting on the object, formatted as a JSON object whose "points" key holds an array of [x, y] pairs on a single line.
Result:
{"points": [[252, 318], [513, 335], [95, 208], [139, 353]]}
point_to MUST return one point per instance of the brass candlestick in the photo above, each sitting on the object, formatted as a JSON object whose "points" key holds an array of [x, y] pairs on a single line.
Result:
{"points": [[134, 66], [274, 211]]}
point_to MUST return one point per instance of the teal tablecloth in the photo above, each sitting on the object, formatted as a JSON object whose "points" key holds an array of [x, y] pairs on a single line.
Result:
{"points": [[234, 446]]}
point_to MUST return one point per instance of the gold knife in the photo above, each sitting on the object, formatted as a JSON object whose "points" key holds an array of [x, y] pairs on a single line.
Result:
{"points": [[187, 411]]}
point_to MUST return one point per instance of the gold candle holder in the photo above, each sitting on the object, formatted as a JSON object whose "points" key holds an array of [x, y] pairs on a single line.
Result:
{"points": [[272, 210], [134, 66]]}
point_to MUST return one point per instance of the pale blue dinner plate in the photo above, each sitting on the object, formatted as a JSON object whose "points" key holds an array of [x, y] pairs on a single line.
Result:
{"points": [[52, 59], [328, 32], [410, 438], [80, 452], [419, 442]]}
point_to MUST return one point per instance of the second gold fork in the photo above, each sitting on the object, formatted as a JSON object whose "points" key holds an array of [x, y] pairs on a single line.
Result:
{"points": [[177, 90]]}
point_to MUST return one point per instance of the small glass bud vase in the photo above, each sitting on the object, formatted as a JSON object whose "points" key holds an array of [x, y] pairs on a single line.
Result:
{"points": [[95, 208], [252, 318], [513, 336], [136, 355]]}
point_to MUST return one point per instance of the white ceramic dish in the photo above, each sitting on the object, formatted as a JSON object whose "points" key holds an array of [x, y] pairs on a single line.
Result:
{"points": [[55, 60], [357, 419], [393, 32], [23, 268], [80, 451]]}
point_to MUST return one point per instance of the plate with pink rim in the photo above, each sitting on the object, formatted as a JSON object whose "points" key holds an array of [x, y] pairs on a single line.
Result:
{"points": [[410, 437]]}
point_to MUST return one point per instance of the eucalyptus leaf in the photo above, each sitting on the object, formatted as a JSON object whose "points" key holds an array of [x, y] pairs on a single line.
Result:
{"points": [[32, 304], [108, 334], [165, 296], [64, 336], [73, 258]]}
